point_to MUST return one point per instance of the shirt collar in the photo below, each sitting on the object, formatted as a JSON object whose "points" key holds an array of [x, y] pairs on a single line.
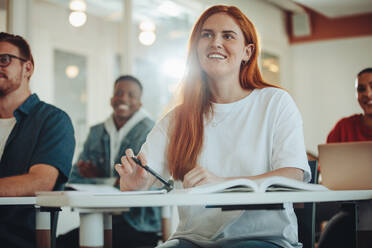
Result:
{"points": [[138, 116], [110, 124], [27, 106]]}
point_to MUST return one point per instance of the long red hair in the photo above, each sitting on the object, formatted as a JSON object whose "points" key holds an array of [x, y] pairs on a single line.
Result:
{"points": [[187, 122]]}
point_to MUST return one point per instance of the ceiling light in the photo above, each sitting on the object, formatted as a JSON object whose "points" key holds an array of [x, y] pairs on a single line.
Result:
{"points": [[274, 68], [77, 18], [78, 5], [72, 71], [147, 38]]}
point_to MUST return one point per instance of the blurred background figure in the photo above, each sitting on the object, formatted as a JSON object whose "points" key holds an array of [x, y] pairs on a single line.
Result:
{"points": [[358, 127], [127, 127]]}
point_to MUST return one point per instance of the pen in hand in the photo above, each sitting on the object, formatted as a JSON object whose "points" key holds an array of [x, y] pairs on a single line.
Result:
{"points": [[168, 185]]}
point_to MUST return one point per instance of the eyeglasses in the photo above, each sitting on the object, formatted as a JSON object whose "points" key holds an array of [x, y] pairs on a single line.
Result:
{"points": [[6, 59]]}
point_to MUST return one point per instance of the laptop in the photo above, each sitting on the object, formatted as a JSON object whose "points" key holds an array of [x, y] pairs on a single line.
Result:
{"points": [[346, 166]]}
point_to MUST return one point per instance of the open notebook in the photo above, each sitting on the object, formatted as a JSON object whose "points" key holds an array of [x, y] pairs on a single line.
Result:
{"points": [[259, 185], [235, 185]]}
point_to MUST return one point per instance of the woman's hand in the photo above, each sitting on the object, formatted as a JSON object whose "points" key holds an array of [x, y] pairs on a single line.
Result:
{"points": [[198, 176], [132, 176]]}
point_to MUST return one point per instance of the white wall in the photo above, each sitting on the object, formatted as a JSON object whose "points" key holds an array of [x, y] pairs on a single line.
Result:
{"points": [[97, 40], [323, 79], [2, 20]]}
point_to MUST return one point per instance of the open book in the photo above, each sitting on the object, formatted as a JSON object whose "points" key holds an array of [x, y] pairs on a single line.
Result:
{"points": [[259, 185]]}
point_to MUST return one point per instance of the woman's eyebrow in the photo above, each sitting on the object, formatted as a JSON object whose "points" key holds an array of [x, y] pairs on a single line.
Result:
{"points": [[224, 31], [229, 31]]}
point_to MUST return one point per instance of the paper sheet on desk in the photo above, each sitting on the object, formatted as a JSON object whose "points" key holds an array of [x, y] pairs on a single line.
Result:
{"points": [[93, 187], [138, 192], [101, 192], [99, 189]]}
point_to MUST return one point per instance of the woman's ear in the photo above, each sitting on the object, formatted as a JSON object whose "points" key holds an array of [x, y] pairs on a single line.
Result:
{"points": [[249, 49]]}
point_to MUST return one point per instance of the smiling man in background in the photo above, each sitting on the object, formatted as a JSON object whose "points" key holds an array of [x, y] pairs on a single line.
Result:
{"points": [[127, 127]]}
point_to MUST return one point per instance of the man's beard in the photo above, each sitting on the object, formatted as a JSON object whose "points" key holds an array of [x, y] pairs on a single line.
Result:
{"points": [[10, 85]]}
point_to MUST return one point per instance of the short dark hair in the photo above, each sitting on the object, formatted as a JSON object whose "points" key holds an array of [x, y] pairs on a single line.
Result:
{"points": [[18, 41], [129, 78], [366, 70]]}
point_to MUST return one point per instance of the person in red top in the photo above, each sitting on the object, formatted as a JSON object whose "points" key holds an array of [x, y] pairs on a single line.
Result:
{"points": [[358, 127]]}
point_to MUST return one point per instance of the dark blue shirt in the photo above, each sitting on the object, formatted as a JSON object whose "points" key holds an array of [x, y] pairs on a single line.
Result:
{"points": [[43, 134]]}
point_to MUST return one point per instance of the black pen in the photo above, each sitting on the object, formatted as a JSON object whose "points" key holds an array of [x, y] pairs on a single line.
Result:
{"points": [[167, 184]]}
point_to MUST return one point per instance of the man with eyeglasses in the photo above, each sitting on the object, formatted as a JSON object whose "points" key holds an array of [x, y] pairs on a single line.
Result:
{"points": [[357, 127], [36, 142]]}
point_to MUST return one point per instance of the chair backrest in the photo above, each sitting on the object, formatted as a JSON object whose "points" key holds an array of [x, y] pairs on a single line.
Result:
{"points": [[306, 214], [314, 171]]}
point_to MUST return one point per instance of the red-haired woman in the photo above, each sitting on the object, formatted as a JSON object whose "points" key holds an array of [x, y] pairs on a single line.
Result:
{"points": [[229, 124]]}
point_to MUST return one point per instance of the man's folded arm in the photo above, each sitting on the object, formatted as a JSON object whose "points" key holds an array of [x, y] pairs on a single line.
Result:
{"points": [[41, 177]]}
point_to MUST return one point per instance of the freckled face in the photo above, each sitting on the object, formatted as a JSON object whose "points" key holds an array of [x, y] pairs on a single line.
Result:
{"points": [[221, 47]]}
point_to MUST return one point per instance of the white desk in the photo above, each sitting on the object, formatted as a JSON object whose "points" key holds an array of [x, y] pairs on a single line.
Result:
{"points": [[17, 200], [92, 206], [42, 218]]}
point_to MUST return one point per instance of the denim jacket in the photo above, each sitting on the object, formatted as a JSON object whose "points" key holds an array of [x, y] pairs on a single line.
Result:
{"points": [[97, 150]]}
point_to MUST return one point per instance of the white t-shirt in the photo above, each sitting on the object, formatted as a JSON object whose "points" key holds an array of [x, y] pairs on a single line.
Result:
{"points": [[259, 133], [6, 127]]}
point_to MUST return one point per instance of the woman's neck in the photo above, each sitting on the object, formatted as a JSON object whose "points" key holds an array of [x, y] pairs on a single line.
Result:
{"points": [[226, 90]]}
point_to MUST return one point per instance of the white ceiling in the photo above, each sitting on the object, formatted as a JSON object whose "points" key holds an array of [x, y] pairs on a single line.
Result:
{"points": [[338, 8], [112, 9]]}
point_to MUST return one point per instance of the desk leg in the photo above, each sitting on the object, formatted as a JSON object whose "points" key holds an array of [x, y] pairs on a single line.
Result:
{"points": [[166, 214], [107, 222], [91, 230], [42, 229]]}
